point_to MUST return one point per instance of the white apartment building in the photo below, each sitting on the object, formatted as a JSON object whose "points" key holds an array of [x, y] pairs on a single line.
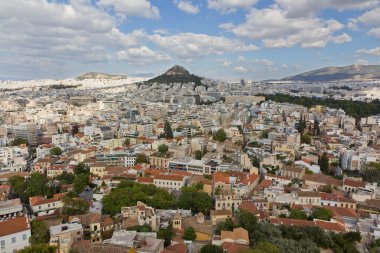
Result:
{"points": [[10, 208], [41, 206], [170, 182], [14, 234]]}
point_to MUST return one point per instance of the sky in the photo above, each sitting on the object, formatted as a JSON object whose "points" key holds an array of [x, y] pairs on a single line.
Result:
{"points": [[219, 39]]}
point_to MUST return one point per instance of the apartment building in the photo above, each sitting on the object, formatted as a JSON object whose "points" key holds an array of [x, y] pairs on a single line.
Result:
{"points": [[14, 234], [64, 235]]}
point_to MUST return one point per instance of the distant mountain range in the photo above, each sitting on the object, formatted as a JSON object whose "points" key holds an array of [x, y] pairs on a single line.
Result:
{"points": [[353, 72], [176, 74], [96, 75]]}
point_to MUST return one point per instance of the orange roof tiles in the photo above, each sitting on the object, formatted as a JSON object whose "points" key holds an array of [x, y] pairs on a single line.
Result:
{"points": [[249, 207], [353, 183], [14, 225]]}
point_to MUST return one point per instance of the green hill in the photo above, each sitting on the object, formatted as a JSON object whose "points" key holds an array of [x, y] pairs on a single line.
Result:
{"points": [[176, 74]]}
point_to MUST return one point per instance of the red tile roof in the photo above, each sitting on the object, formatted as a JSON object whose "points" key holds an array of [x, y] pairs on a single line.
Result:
{"points": [[14, 225], [249, 207], [353, 183]]}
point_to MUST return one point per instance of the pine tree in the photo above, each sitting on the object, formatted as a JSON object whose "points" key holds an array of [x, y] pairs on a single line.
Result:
{"points": [[168, 130]]}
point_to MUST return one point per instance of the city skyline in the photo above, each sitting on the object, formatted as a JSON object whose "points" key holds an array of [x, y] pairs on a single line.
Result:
{"points": [[216, 38]]}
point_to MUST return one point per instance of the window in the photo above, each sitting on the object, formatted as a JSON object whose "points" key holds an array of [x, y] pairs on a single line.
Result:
{"points": [[13, 239], [2, 244], [24, 237]]}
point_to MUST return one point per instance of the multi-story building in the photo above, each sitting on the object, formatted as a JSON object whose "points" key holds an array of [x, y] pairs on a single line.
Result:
{"points": [[292, 172], [227, 202], [10, 208], [64, 235], [170, 182], [14, 234], [161, 160], [42, 206], [141, 214]]}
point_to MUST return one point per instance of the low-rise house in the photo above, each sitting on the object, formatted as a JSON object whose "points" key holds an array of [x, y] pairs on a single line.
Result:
{"points": [[10, 208], [140, 242], [161, 160], [42, 165], [5, 190], [238, 235], [329, 226], [316, 181], [227, 202], [351, 185], [218, 216], [139, 215], [14, 234], [309, 198], [170, 182], [94, 224], [64, 235], [55, 171], [292, 172], [42, 206]]}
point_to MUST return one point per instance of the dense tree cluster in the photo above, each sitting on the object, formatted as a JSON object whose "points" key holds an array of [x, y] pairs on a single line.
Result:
{"points": [[56, 151], [192, 198], [36, 185], [19, 141], [128, 193], [293, 239], [166, 234], [355, 109], [372, 173], [162, 149], [220, 135], [168, 132], [189, 234], [141, 158], [74, 206]]}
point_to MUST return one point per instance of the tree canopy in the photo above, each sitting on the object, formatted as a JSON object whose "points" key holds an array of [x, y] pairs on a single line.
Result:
{"points": [[128, 193], [163, 149], [19, 141], [209, 248], [74, 206], [80, 182], [194, 200], [220, 135], [141, 158], [189, 234], [356, 109], [297, 214], [40, 233], [322, 213], [168, 132], [56, 151]]}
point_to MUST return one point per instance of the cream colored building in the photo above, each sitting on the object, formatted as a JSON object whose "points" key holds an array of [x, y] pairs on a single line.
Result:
{"points": [[64, 235]]}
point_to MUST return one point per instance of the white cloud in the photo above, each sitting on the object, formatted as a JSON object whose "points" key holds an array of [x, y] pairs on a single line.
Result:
{"points": [[241, 69], [162, 31], [375, 32], [229, 6], [343, 38], [141, 55], [226, 63], [265, 62], [301, 8], [370, 19], [126, 8], [372, 51], [277, 30], [52, 34], [192, 45], [186, 6], [361, 62]]}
